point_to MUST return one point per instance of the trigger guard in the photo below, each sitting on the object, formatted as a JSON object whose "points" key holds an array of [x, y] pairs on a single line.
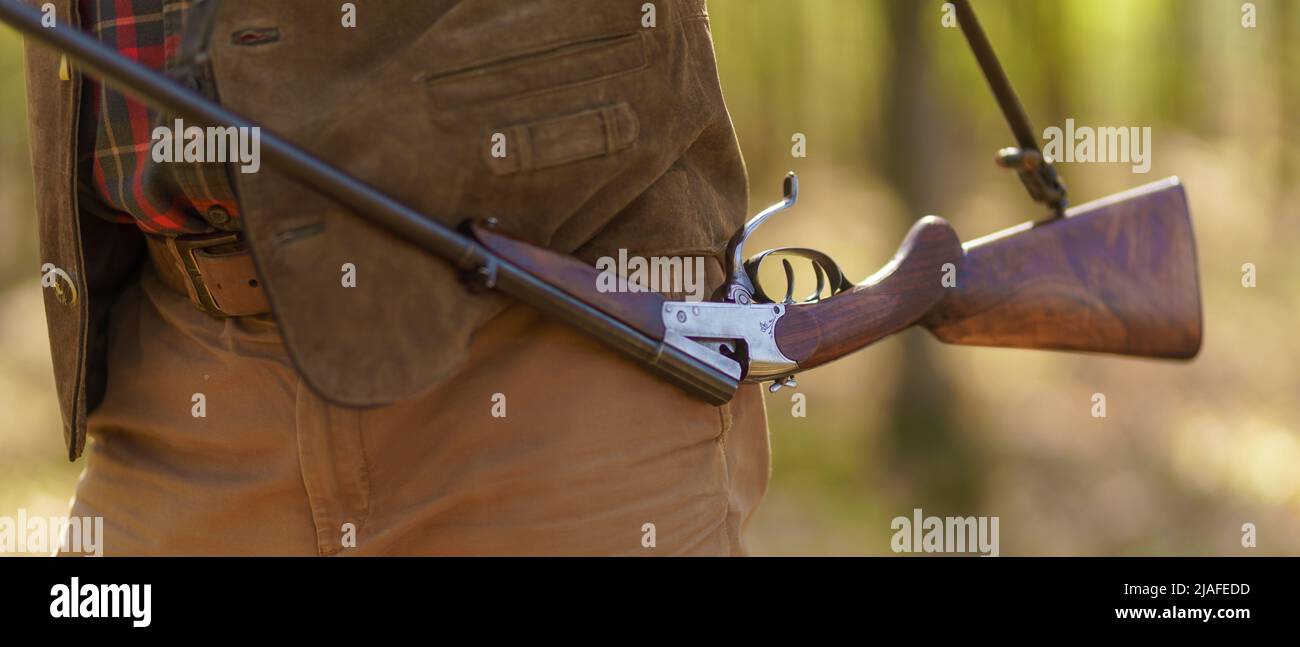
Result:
{"points": [[834, 275]]}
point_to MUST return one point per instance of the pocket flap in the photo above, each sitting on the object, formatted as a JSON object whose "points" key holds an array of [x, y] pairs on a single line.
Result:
{"points": [[551, 142], [553, 67]]}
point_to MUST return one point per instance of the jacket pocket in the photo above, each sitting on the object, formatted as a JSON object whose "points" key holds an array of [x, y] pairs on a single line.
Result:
{"points": [[547, 68], [561, 140]]}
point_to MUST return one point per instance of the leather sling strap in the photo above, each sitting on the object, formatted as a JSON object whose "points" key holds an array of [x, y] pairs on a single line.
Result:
{"points": [[1036, 172]]}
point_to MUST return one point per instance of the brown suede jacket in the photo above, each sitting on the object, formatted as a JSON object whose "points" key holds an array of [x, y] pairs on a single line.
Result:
{"points": [[621, 136]]}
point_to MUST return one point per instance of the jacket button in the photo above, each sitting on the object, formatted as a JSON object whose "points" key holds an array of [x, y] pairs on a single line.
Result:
{"points": [[217, 215], [65, 292]]}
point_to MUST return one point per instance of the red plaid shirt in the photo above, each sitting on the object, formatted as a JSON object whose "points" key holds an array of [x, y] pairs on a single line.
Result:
{"points": [[120, 181]]}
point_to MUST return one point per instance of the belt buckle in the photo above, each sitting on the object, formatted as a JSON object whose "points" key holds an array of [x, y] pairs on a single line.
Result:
{"points": [[185, 247]]}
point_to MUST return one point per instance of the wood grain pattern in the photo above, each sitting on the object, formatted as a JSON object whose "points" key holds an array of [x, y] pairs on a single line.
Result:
{"points": [[640, 310], [892, 299], [1114, 276]]}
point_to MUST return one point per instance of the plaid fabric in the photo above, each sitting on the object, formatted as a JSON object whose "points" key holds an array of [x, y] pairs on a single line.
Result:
{"points": [[121, 181]]}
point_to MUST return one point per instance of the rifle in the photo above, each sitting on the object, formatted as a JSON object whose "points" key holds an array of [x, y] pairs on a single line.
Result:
{"points": [[1117, 275]]}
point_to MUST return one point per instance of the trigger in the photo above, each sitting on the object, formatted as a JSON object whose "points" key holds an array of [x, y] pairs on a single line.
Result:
{"points": [[789, 280]]}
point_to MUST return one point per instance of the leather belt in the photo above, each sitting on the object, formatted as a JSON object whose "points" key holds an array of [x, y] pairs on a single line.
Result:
{"points": [[215, 271]]}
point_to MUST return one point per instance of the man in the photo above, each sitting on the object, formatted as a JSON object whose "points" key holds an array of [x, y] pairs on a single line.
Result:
{"points": [[258, 371]]}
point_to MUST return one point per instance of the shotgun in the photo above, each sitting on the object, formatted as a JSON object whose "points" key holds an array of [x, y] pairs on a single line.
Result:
{"points": [[1117, 275]]}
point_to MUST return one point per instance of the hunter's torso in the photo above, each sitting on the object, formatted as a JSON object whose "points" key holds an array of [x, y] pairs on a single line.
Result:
{"points": [[616, 137]]}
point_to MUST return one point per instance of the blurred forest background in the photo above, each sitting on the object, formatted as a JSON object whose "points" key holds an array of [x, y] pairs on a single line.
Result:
{"points": [[899, 124]]}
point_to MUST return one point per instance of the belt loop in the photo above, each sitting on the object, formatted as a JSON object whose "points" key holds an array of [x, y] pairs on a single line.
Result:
{"points": [[179, 258]]}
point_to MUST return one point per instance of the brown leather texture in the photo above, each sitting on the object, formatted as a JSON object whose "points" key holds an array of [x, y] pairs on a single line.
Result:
{"points": [[219, 280], [616, 136]]}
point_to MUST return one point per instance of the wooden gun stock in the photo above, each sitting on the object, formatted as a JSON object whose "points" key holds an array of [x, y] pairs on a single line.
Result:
{"points": [[900, 294], [1114, 276], [1117, 275]]}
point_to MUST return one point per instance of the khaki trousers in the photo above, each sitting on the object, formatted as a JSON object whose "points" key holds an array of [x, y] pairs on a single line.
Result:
{"points": [[209, 443]]}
